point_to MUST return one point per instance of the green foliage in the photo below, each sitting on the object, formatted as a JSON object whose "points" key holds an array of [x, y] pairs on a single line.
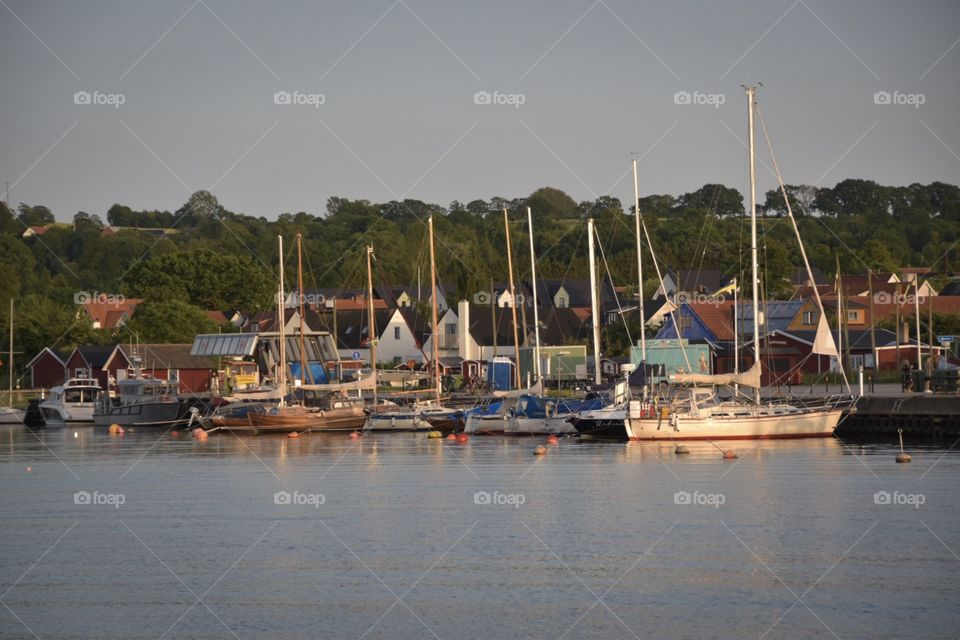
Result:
{"points": [[168, 321]]}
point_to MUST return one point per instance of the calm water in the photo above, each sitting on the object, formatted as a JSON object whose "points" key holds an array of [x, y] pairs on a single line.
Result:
{"points": [[383, 538]]}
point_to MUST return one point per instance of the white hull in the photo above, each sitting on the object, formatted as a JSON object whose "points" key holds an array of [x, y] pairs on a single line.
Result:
{"points": [[762, 423], [485, 424], [401, 420], [60, 415], [12, 416], [556, 425]]}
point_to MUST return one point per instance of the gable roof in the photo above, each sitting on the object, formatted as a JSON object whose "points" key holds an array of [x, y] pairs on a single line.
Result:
{"points": [[109, 314], [57, 352], [699, 280], [94, 355]]}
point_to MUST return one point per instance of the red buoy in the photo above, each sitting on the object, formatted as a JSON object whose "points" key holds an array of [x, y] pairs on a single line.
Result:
{"points": [[293, 434], [354, 435], [452, 436], [463, 438], [553, 440]]}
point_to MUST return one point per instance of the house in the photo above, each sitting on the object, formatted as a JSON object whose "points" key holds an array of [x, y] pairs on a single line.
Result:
{"points": [[109, 311], [219, 318], [47, 368], [172, 362], [396, 342], [29, 232], [89, 361], [420, 293]]}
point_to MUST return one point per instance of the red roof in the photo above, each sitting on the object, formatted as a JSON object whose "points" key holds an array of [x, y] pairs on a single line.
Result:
{"points": [[717, 316], [108, 314]]}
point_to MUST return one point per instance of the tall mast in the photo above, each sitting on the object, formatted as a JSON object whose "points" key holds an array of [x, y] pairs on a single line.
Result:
{"points": [[754, 280], [371, 336], [636, 217], [281, 320], [513, 301], [595, 311], [533, 279], [305, 375], [873, 333], [433, 309], [10, 359], [916, 305]]}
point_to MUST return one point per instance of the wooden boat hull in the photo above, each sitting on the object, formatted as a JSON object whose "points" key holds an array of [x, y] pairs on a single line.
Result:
{"points": [[282, 422]]}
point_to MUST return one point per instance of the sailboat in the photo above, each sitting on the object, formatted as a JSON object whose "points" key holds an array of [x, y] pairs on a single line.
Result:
{"points": [[321, 407], [415, 417], [696, 412], [10, 415]]}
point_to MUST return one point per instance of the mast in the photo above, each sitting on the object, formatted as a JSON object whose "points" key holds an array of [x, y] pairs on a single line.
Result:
{"points": [[839, 288], [643, 330], [899, 329], [433, 309], [751, 91], [305, 375], [10, 358], [282, 372], [536, 314], [595, 312], [736, 337], [370, 323], [916, 305], [513, 301], [873, 333]]}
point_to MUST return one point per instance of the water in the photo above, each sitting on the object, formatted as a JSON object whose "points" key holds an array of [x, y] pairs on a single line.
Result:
{"points": [[593, 540]]}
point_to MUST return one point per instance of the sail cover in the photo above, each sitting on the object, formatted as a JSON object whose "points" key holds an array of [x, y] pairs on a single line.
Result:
{"points": [[535, 390], [368, 382], [748, 378], [823, 343]]}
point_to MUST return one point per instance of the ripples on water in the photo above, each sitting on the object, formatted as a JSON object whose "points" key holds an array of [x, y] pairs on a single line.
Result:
{"points": [[591, 541]]}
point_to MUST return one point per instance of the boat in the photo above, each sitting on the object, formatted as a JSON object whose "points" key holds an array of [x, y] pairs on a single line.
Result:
{"points": [[489, 418], [11, 415], [416, 416], [141, 402], [692, 410], [314, 407], [71, 403], [542, 416]]}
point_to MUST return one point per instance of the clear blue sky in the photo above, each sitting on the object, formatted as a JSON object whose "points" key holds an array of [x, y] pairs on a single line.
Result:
{"points": [[597, 81]]}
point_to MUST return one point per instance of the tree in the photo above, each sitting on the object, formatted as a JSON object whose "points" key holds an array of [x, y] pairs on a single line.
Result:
{"points": [[717, 198], [170, 321], [36, 216]]}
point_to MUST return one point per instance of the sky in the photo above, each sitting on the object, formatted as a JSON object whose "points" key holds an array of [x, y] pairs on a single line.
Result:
{"points": [[275, 107]]}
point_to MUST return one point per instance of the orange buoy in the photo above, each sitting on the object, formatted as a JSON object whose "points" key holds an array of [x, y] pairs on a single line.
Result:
{"points": [[540, 450], [553, 440], [463, 438], [115, 428], [354, 435], [202, 435], [730, 454], [29, 469], [682, 450], [452, 436], [293, 434]]}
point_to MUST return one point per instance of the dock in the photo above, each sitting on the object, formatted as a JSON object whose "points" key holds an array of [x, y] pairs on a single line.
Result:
{"points": [[920, 414]]}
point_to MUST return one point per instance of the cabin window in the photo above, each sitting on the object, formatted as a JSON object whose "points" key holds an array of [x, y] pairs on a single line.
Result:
{"points": [[811, 317]]}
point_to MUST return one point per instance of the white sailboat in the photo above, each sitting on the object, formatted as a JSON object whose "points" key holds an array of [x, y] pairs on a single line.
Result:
{"points": [[696, 412], [413, 418], [11, 415]]}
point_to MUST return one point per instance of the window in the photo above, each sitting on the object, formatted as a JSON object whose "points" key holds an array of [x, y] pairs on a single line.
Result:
{"points": [[684, 322], [811, 318], [855, 316], [80, 372], [396, 333], [173, 375], [561, 302]]}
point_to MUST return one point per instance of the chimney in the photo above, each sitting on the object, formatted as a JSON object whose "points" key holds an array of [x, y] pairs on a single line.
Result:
{"points": [[463, 330]]}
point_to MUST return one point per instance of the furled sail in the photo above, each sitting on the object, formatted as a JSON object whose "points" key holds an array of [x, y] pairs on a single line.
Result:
{"points": [[749, 378], [535, 390]]}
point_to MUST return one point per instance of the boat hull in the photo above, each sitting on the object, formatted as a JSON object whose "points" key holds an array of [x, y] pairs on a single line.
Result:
{"points": [[153, 414], [816, 423], [334, 420], [556, 425], [12, 416]]}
